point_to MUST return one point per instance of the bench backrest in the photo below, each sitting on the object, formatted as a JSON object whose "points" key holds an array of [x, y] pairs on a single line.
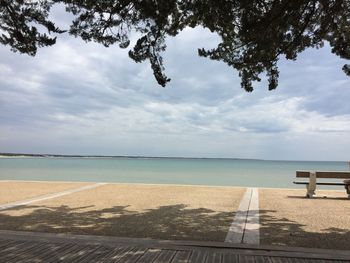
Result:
{"points": [[336, 175]]}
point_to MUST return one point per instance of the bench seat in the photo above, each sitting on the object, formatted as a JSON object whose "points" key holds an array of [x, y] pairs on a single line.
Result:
{"points": [[323, 183]]}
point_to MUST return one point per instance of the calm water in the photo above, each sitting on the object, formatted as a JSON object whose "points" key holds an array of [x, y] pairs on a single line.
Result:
{"points": [[165, 171]]}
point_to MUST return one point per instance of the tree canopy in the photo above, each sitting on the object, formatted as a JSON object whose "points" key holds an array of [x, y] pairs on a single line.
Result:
{"points": [[254, 33]]}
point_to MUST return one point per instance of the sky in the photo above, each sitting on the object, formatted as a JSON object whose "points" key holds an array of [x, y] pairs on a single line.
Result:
{"points": [[83, 98]]}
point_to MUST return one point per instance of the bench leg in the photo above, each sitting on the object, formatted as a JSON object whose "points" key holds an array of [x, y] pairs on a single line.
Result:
{"points": [[311, 187], [347, 187]]}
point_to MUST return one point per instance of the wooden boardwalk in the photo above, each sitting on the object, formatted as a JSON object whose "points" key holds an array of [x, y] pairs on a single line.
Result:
{"points": [[18, 247]]}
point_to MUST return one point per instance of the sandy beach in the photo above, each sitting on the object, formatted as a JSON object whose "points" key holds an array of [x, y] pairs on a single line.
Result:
{"points": [[174, 212], [129, 210], [11, 191], [288, 218]]}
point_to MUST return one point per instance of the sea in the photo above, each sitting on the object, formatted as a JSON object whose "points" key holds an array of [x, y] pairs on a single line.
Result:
{"points": [[184, 171]]}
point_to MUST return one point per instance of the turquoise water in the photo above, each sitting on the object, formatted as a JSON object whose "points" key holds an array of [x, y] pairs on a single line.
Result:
{"points": [[223, 172]]}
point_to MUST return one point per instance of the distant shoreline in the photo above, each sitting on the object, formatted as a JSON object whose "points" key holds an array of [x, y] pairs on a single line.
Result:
{"points": [[78, 156], [23, 155]]}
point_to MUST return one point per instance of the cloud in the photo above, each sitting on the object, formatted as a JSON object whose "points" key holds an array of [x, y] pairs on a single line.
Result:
{"points": [[82, 98], [317, 75]]}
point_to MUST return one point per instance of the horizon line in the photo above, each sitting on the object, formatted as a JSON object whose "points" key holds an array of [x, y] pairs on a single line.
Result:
{"points": [[147, 157]]}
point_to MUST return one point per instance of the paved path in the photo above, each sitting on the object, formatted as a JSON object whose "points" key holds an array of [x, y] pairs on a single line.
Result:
{"points": [[245, 226], [28, 247]]}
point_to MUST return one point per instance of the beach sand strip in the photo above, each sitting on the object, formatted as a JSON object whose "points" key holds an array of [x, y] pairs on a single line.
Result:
{"points": [[48, 196], [13, 191]]}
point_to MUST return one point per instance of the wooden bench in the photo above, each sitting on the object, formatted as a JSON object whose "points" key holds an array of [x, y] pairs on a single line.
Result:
{"points": [[311, 184]]}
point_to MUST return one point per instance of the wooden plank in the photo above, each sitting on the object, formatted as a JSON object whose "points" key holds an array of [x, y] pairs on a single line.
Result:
{"points": [[64, 254], [278, 260], [262, 259], [325, 174], [165, 256], [150, 255], [338, 175], [27, 255], [16, 249], [182, 256], [85, 254], [229, 258], [113, 255], [293, 254], [13, 246], [133, 255], [118, 254], [321, 183], [6, 243], [40, 253], [246, 259], [303, 174], [74, 254], [53, 251], [198, 256], [22, 236], [99, 252], [129, 254], [43, 251], [295, 260], [214, 257]]}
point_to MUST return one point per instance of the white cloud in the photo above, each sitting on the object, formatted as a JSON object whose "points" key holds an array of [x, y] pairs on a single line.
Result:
{"points": [[86, 99]]}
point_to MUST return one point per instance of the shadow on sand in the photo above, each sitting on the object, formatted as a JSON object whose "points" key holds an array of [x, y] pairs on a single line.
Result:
{"points": [[325, 197], [165, 222], [277, 230], [174, 222]]}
